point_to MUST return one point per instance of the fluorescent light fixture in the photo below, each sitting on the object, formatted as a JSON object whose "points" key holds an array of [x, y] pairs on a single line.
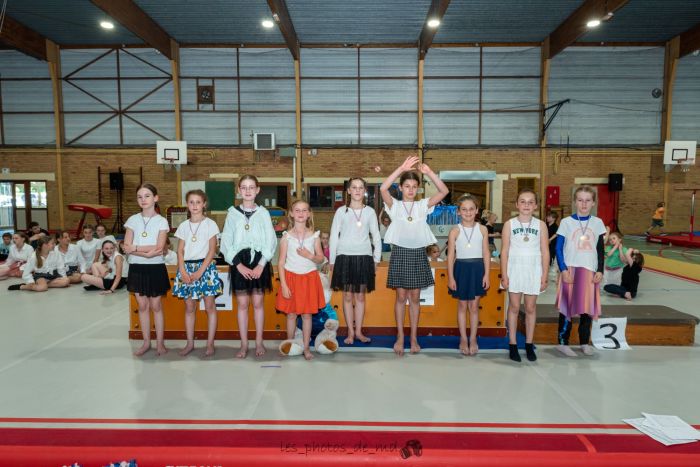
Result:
{"points": [[594, 23], [107, 25], [433, 23], [267, 24]]}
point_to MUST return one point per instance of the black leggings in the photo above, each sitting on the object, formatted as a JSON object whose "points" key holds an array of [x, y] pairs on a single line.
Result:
{"points": [[584, 329]]}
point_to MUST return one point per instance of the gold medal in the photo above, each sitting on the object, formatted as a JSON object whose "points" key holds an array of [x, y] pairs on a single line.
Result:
{"points": [[247, 226], [526, 239], [359, 224], [194, 239], [144, 234], [410, 219]]}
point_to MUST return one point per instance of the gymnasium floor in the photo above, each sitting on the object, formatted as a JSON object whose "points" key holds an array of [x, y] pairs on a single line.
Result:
{"points": [[65, 362]]}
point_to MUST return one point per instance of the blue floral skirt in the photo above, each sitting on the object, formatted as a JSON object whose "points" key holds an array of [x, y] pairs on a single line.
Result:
{"points": [[209, 285]]}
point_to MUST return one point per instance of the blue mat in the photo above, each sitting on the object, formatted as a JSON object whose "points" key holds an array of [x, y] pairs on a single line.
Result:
{"points": [[434, 342]]}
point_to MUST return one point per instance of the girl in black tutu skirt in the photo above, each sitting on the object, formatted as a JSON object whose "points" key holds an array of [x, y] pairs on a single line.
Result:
{"points": [[248, 243], [353, 256]]}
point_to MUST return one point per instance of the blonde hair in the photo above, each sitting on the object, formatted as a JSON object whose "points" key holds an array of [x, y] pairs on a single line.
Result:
{"points": [[586, 189], [309, 221]]}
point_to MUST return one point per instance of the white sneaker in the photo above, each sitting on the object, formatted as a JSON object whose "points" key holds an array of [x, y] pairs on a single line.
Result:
{"points": [[566, 350], [587, 350]]}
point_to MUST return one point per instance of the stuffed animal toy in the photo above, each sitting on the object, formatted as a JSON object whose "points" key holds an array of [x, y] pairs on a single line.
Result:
{"points": [[293, 347], [326, 342]]}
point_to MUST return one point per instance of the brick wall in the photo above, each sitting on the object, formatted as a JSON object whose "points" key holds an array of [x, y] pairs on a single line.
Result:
{"points": [[643, 171]]}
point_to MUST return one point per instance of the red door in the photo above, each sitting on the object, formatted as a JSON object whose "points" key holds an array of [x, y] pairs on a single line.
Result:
{"points": [[605, 205]]}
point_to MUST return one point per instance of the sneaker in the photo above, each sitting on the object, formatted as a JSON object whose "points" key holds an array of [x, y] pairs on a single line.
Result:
{"points": [[513, 353], [530, 352], [15, 287], [587, 350], [566, 350]]}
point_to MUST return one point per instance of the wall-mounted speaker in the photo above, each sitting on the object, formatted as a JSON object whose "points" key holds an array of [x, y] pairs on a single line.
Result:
{"points": [[615, 182], [116, 181]]}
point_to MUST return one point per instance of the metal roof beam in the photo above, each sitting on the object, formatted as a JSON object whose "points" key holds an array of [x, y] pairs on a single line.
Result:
{"points": [[436, 11], [281, 16], [129, 15], [574, 26], [18, 36], [690, 41]]}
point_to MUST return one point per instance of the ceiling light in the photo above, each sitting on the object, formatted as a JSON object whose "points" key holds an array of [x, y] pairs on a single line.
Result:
{"points": [[107, 24], [267, 24], [433, 23], [593, 23]]}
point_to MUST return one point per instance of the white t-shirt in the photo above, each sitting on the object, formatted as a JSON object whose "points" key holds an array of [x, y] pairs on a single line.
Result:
{"points": [[152, 226], [579, 251], [19, 256], [203, 231], [87, 251], [71, 257], [409, 234]]}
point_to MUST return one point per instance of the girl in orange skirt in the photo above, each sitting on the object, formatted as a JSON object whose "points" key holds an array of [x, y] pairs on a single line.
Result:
{"points": [[301, 292]]}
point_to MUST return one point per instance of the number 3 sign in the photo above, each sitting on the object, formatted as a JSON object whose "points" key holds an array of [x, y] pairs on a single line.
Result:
{"points": [[609, 334]]}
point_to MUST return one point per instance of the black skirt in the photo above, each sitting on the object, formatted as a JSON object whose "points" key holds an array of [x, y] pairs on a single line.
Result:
{"points": [[353, 273], [148, 280], [243, 285], [107, 283], [49, 276]]}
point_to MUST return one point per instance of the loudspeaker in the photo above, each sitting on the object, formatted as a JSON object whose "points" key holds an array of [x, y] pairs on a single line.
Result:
{"points": [[614, 182], [116, 181]]}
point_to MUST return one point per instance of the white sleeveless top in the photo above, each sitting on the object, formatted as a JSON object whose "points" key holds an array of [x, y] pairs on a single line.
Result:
{"points": [[111, 264], [294, 262], [519, 232], [469, 248]]}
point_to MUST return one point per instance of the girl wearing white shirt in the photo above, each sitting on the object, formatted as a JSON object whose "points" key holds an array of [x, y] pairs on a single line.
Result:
{"points": [[197, 277], [148, 277], [353, 258], [101, 232], [20, 251], [88, 247], [108, 272], [301, 291], [248, 243], [409, 234], [44, 268], [468, 262], [71, 257]]}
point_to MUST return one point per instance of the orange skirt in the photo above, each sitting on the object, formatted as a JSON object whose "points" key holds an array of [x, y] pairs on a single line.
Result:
{"points": [[307, 294]]}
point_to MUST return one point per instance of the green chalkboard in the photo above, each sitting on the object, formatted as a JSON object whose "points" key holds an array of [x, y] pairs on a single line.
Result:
{"points": [[220, 195]]}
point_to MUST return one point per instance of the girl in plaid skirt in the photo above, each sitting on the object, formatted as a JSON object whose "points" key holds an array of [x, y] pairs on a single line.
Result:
{"points": [[409, 269]]}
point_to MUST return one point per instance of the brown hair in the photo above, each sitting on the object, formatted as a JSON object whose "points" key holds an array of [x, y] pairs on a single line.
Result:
{"points": [[347, 195], [309, 221], [586, 189], [40, 243], [661, 204], [409, 175], [60, 233], [199, 193], [467, 197], [638, 258], [248, 177], [102, 253], [24, 236], [88, 226], [617, 234], [7, 235], [528, 190], [149, 187], [553, 214], [430, 248]]}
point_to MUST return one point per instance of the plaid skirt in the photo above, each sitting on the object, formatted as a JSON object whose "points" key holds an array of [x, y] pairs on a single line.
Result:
{"points": [[409, 268]]}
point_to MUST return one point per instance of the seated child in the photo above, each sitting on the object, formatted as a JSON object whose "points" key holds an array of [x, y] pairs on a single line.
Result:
{"points": [[5, 246], [616, 257], [630, 277], [433, 252]]}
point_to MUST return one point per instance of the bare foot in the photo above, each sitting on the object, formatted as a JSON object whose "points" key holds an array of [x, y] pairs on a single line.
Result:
{"points": [[210, 351], [143, 349], [473, 347], [364, 339], [260, 349], [349, 340], [628, 296], [463, 347], [398, 347], [415, 348], [161, 350], [308, 355], [188, 348], [242, 352]]}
